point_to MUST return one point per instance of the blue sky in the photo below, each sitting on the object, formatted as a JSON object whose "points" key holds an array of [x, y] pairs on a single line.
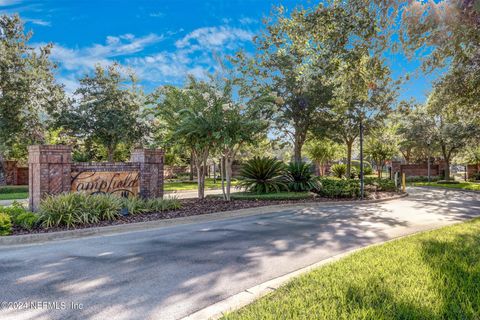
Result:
{"points": [[160, 40]]}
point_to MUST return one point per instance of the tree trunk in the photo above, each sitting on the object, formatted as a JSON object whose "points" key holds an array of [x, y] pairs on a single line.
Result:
{"points": [[110, 151], [228, 175], [3, 179], [298, 144], [222, 173], [200, 163], [447, 169], [349, 158], [192, 161]]}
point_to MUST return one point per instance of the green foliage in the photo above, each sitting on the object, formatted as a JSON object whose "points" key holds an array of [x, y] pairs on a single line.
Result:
{"points": [[431, 275], [300, 177], [339, 170], [134, 205], [5, 224], [157, 205], [27, 220], [339, 188], [20, 216], [74, 209], [107, 111], [380, 184], [28, 90], [322, 151], [421, 178], [14, 210], [263, 175]]}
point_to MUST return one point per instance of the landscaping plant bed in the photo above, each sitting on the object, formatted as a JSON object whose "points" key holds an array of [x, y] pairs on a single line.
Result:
{"points": [[193, 207]]}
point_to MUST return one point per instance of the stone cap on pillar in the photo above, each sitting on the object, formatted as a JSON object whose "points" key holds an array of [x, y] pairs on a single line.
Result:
{"points": [[147, 156], [49, 154]]}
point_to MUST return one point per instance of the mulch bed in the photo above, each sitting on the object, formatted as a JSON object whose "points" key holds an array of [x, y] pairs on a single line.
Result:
{"points": [[193, 207]]}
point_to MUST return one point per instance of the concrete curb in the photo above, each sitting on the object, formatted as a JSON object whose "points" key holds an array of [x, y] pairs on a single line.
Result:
{"points": [[156, 224], [244, 298]]}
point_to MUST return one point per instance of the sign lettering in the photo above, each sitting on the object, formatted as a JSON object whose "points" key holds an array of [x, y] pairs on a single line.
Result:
{"points": [[123, 183]]}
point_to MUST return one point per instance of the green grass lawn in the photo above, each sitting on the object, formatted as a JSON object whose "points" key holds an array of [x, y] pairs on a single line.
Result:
{"points": [[192, 185], [13, 192], [268, 196], [461, 185], [432, 275]]}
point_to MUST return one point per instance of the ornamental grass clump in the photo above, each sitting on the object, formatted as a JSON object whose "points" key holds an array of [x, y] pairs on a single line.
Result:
{"points": [[300, 177], [263, 175]]}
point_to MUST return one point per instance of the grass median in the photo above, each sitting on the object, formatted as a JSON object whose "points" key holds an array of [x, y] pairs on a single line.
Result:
{"points": [[462, 185], [13, 192], [432, 275]]}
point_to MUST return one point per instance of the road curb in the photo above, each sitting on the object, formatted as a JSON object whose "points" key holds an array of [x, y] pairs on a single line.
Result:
{"points": [[244, 298], [156, 224]]}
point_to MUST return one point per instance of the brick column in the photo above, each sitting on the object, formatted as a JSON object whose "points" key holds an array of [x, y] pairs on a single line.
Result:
{"points": [[151, 171], [49, 171]]}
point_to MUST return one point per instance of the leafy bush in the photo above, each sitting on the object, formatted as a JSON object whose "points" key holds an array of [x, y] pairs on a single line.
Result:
{"points": [[367, 170], [421, 178], [20, 216], [339, 188], [5, 224], [263, 175], [380, 184], [339, 170], [14, 210], [27, 220], [301, 178]]}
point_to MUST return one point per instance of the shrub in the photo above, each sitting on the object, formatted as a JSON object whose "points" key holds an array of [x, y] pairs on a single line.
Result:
{"points": [[380, 184], [339, 188], [135, 205], [103, 206], [27, 220], [263, 175], [339, 170], [71, 209], [5, 224], [301, 178], [156, 205], [14, 210], [420, 178]]}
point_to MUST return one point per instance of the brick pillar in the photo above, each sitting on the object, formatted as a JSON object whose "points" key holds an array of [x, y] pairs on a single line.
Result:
{"points": [[151, 171], [49, 171]]}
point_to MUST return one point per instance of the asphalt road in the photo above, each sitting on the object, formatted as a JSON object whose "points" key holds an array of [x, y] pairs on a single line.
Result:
{"points": [[171, 272]]}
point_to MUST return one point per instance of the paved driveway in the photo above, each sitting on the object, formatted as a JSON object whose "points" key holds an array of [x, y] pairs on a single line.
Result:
{"points": [[171, 272]]}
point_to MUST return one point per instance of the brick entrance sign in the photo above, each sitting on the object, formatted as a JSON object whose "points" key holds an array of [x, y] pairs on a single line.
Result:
{"points": [[51, 171]]}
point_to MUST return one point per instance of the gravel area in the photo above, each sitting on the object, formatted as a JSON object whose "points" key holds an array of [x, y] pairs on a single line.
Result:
{"points": [[192, 207]]}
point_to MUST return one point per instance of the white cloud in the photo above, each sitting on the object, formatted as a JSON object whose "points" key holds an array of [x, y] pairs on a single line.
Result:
{"points": [[213, 37], [247, 20], [192, 54], [4, 3], [39, 22], [84, 59]]}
